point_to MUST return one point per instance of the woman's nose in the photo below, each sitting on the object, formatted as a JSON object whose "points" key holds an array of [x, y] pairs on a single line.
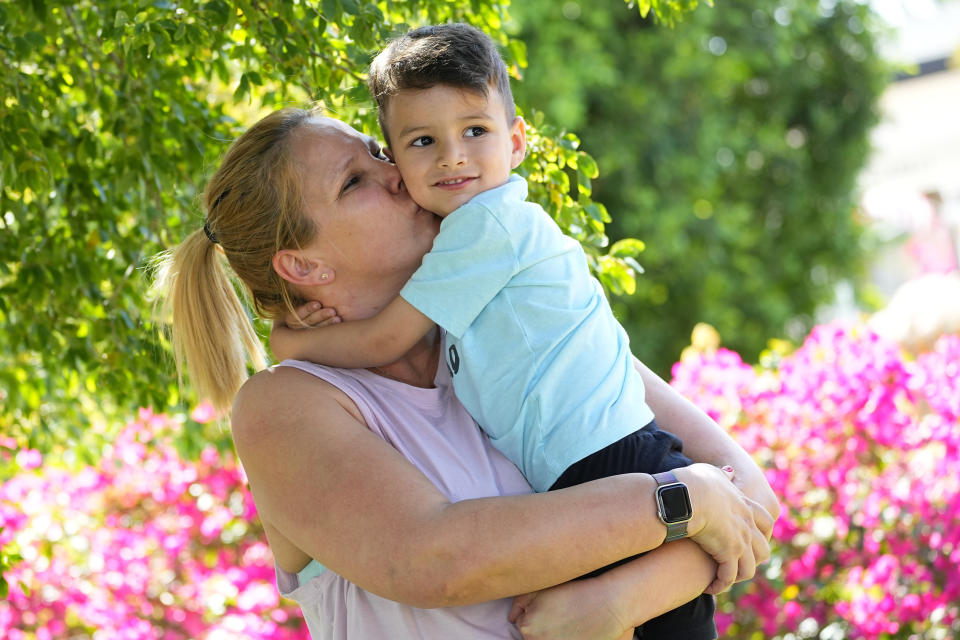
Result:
{"points": [[391, 178]]}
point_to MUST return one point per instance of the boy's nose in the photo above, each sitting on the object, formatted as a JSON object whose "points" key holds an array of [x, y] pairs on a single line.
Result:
{"points": [[451, 155]]}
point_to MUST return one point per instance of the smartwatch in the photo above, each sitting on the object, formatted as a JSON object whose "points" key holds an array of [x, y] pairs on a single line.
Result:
{"points": [[673, 505]]}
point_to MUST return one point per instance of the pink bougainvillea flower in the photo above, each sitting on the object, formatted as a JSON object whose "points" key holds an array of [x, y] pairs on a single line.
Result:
{"points": [[29, 458], [203, 413], [861, 443], [143, 545]]}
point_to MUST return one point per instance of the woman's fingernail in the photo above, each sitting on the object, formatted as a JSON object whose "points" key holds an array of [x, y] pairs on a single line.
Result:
{"points": [[727, 468]]}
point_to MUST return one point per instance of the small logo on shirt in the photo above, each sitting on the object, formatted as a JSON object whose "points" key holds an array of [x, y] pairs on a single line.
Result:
{"points": [[453, 359]]}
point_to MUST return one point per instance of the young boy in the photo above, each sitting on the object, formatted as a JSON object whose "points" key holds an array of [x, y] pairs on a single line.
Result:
{"points": [[535, 353]]}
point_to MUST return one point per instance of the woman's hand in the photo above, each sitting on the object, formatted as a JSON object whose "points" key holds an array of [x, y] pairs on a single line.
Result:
{"points": [[573, 610], [733, 529], [309, 315]]}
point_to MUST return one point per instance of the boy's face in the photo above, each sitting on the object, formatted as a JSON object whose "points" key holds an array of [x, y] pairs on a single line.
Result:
{"points": [[451, 144]]}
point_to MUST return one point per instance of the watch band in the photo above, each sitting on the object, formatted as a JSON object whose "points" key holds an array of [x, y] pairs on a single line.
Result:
{"points": [[675, 530]]}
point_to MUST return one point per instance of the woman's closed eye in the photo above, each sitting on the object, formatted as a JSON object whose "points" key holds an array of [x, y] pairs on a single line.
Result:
{"points": [[351, 181]]}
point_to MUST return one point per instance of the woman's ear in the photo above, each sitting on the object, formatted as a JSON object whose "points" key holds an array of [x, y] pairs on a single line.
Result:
{"points": [[296, 268], [518, 141]]}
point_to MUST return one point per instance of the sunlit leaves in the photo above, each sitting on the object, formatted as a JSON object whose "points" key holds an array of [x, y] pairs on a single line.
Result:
{"points": [[667, 11]]}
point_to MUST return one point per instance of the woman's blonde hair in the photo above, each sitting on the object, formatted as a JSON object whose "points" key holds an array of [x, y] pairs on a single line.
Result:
{"points": [[254, 209]]}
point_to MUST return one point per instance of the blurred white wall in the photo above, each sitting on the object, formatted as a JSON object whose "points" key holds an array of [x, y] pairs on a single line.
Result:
{"points": [[911, 185]]}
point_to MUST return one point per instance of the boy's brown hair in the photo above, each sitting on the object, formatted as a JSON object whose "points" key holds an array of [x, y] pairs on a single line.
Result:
{"points": [[456, 55]]}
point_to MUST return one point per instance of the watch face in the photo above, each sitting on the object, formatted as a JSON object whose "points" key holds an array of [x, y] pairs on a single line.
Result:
{"points": [[675, 503]]}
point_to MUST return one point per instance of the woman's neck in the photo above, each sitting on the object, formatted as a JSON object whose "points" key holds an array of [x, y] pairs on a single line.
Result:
{"points": [[418, 367]]}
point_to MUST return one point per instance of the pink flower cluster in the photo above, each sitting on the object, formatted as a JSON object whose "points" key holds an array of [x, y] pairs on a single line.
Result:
{"points": [[862, 445], [143, 545]]}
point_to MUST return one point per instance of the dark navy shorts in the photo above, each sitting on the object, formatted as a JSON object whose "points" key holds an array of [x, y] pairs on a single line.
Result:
{"points": [[648, 450]]}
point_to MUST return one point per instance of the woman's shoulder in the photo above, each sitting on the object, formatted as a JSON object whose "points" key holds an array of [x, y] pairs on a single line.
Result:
{"points": [[271, 383], [278, 396]]}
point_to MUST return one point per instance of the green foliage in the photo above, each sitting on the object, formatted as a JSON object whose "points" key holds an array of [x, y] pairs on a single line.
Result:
{"points": [[8, 558], [667, 11], [730, 144], [112, 115], [552, 157]]}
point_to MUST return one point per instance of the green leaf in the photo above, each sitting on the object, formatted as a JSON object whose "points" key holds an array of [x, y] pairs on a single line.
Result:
{"points": [[588, 166], [243, 88], [627, 247]]}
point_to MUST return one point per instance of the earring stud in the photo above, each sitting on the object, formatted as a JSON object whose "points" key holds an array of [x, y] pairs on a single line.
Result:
{"points": [[323, 276]]}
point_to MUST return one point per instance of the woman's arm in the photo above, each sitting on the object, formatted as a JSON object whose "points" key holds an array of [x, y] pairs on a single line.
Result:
{"points": [[329, 488], [704, 440]]}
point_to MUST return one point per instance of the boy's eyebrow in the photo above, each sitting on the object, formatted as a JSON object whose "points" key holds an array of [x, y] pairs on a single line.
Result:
{"points": [[410, 129]]}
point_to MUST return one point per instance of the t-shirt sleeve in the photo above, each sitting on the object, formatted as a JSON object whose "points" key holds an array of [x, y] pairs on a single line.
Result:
{"points": [[472, 259]]}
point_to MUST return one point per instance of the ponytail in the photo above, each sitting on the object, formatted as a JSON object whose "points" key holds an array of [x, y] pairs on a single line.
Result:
{"points": [[211, 332]]}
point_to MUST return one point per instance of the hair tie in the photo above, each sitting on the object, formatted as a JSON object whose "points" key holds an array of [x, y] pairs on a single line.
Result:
{"points": [[212, 238]]}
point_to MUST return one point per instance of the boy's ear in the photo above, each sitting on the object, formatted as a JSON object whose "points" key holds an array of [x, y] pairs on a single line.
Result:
{"points": [[296, 268], [518, 142]]}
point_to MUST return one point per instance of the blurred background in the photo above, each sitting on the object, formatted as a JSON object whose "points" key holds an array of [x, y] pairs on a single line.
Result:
{"points": [[785, 163]]}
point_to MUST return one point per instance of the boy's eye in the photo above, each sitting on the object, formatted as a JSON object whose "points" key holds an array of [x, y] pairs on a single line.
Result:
{"points": [[474, 132], [422, 141]]}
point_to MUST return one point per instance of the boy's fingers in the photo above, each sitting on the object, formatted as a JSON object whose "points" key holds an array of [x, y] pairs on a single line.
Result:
{"points": [[311, 314], [304, 311], [296, 320], [319, 317], [333, 319]]}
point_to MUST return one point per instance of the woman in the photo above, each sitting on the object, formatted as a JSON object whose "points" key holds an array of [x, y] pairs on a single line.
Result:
{"points": [[379, 475]]}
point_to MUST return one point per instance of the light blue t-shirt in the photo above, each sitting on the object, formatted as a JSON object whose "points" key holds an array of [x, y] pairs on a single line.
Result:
{"points": [[536, 355]]}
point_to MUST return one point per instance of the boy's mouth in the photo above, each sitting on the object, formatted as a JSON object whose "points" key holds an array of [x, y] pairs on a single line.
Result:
{"points": [[454, 182]]}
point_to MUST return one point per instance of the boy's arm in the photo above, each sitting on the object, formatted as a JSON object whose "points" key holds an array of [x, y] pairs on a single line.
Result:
{"points": [[609, 606], [371, 342]]}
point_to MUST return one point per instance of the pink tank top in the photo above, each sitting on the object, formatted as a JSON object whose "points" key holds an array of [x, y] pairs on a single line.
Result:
{"points": [[432, 430]]}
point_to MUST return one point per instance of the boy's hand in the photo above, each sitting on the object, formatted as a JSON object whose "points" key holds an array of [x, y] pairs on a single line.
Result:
{"points": [[309, 315], [283, 336]]}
